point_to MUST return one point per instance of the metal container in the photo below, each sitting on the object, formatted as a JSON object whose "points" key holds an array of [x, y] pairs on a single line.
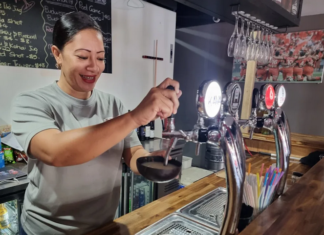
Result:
{"points": [[177, 225], [208, 209], [214, 158]]}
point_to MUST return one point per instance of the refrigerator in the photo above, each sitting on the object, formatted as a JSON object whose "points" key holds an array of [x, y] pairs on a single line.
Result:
{"points": [[13, 204], [12, 191], [135, 192]]}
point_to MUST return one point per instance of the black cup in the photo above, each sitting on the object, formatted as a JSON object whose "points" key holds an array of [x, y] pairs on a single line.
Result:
{"points": [[161, 174]]}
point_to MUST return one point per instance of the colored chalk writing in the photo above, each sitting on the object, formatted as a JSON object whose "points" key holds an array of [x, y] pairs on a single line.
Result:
{"points": [[26, 29]]}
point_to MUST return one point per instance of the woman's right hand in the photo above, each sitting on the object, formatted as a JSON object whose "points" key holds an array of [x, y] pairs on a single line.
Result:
{"points": [[159, 102]]}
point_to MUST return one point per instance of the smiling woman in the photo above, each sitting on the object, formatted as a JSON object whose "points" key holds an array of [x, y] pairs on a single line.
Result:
{"points": [[75, 135], [79, 52]]}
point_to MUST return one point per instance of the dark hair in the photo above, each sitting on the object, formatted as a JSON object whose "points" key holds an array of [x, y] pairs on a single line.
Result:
{"points": [[69, 25], [277, 53], [291, 53], [302, 53]]}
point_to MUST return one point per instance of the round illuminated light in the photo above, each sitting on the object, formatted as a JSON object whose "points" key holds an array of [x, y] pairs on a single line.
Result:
{"points": [[280, 95], [212, 99], [269, 96]]}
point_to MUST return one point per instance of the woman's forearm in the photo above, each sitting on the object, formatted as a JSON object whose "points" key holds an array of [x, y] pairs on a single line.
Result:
{"points": [[81, 145]]}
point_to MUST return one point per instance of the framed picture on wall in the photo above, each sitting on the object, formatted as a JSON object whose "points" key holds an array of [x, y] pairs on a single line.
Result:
{"points": [[298, 58]]}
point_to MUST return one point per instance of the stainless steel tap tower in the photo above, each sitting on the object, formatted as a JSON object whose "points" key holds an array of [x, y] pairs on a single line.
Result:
{"points": [[273, 99], [223, 108]]}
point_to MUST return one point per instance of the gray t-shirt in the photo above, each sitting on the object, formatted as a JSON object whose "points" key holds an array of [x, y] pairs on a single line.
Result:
{"points": [[73, 199]]}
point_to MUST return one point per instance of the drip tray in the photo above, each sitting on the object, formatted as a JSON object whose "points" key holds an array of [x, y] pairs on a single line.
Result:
{"points": [[176, 224], [208, 209]]}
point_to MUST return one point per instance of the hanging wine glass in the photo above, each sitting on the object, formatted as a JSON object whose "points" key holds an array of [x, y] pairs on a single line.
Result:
{"points": [[238, 42], [261, 48], [270, 57], [232, 41], [251, 46], [243, 42], [256, 48], [249, 42], [266, 49], [260, 54], [272, 48], [264, 44]]}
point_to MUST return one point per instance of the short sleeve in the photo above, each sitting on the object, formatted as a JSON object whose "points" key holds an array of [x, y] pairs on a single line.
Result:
{"points": [[31, 114], [130, 140]]}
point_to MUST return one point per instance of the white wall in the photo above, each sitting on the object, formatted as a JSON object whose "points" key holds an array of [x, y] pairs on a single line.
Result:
{"points": [[134, 31]]}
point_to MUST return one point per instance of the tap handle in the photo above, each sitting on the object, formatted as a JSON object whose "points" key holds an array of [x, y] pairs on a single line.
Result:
{"points": [[202, 135], [172, 144], [251, 132], [255, 98], [198, 148], [255, 105], [171, 88], [260, 122]]}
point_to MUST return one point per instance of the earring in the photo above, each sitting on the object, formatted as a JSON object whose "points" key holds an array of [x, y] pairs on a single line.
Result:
{"points": [[58, 66]]}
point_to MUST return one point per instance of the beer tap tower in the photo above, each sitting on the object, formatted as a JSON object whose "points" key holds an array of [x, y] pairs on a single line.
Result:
{"points": [[226, 133], [272, 99]]}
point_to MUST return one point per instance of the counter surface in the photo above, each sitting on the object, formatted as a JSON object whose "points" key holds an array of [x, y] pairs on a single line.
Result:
{"points": [[301, 145], [15, 186], [141, 218]]}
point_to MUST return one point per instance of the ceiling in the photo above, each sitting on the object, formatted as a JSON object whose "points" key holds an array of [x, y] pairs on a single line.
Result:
{"points": [[312, 7]]}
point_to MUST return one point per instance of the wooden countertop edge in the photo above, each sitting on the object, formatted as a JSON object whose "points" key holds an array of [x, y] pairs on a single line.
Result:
{"points": [[135, 221], [296, 140], [141, 218]]}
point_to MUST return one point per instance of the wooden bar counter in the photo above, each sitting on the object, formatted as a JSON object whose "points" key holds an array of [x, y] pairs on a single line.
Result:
{"points": [[301, 145], [141, 218]]}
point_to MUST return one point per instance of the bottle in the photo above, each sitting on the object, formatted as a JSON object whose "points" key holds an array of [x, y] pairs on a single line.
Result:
{"points": [[130, 199], [8, 155], [141, 197], [147, 193], [4, 217], [136, 198], [147, 131], [141, 133], [152, 126], [265, 131], [257, 129], [2, 162]]}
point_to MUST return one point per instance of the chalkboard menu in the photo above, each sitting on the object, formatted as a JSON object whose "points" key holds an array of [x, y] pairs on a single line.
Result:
{"points": [[26, 29]]}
